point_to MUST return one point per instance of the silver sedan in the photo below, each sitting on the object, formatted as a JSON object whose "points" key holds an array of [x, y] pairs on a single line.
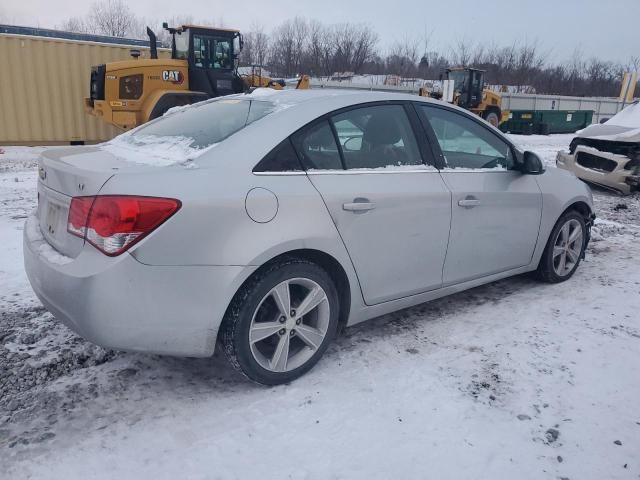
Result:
{"points": [[266, 222]]}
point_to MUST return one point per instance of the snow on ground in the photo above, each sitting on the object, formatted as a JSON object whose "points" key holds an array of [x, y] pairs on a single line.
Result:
{"points": [[546, 146], [515, 379]]}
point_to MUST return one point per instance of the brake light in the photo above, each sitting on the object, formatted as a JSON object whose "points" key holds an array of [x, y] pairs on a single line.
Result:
{"points": [[114, 223]]}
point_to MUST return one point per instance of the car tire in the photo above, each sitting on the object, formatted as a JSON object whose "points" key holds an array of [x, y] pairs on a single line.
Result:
{"points": [[563, 251], [257, 309]]}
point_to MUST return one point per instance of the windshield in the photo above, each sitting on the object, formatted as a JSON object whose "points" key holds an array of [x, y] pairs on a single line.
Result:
{"points": [[207, 123]]}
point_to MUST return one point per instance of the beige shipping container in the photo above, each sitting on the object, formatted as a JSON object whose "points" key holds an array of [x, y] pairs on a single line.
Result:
{"points": [[43, 83]]}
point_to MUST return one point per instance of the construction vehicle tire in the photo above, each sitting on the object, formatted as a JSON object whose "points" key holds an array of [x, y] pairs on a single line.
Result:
{"points": [[493, 118]]}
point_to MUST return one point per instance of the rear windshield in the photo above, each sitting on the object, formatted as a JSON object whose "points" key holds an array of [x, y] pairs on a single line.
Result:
{"points": [[208, 123]]}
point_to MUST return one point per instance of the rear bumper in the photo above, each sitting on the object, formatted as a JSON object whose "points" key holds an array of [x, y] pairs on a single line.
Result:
{"points": [[619, 179], [123, 304]]}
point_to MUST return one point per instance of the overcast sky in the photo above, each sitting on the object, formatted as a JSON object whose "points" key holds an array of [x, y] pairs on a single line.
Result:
{"points": [[606, 29]]}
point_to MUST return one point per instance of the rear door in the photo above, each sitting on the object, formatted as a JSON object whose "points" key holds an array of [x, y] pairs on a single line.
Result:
{"points": [[391, 208], [496, 209]]}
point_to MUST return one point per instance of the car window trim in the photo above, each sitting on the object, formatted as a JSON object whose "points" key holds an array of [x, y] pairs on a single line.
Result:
{"points": [[430, 139], [473, 118], [336, 139]]}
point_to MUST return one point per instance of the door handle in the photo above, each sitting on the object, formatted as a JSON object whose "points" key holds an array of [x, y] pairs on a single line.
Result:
{"points": [[469, 202], [358, 206]]}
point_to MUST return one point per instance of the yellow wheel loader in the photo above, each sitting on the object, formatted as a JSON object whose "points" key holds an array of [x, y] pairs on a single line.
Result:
{"points": [[469, 93], [203, 65]]}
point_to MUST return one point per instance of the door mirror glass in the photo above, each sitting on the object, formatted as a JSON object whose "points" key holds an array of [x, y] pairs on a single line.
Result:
{"points": [[531, 164]]}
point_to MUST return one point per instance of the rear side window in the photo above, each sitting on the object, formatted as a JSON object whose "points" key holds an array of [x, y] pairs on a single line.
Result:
{"points": [[207, 123], [283, 158], [318, 148], [377, 137]]}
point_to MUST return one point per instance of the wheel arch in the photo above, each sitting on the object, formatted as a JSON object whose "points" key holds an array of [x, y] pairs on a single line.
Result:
{"points": [[492, 109], [326, 261], [581, 207]]}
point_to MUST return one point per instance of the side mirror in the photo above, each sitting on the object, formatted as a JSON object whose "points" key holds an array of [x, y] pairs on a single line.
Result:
{"points": [[531, 164]]}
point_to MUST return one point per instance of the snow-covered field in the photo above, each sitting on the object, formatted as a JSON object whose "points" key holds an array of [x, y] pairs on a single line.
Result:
{"points": [[515, 379]]}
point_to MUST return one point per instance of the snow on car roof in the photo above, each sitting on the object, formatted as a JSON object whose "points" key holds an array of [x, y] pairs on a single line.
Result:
{"points": [[295, 96]]}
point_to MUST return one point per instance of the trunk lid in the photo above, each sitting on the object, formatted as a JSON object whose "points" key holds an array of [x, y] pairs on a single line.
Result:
{"points": [[64, 173]]}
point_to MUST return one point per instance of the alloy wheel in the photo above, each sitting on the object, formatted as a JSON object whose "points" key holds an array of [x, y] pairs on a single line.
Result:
{"points": [[567, 247], [289, 325]]}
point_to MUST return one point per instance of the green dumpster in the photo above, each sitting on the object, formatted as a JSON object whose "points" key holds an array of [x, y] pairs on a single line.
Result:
{"points": [[544, 122]]}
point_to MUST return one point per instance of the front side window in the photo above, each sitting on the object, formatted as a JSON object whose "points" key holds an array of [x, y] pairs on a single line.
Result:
{"points": [[181, 40], [465, 143], [206, 123], [377, 137], [317, 147], [212, 52]]}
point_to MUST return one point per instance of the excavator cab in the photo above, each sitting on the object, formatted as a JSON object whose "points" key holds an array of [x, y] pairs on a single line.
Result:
{"points": [[468, 84], [211, 55]]}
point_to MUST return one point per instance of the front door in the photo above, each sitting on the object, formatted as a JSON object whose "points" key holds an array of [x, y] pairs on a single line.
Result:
{"points": [[391, 210], [496, 210]]}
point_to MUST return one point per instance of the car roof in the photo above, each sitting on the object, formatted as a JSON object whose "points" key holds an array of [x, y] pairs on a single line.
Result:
{"points": [[346, 97]]}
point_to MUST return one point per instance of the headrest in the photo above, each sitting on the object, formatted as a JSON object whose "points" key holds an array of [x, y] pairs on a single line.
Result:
{"points": [[322, 137], [381, 130]]}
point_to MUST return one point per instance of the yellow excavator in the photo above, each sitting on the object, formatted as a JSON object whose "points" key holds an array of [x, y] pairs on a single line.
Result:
{"points": [[469, 92], [203, 64]]}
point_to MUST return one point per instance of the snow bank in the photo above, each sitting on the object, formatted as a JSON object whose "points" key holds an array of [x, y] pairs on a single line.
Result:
{"points": [[19, 158], [155, 150]]}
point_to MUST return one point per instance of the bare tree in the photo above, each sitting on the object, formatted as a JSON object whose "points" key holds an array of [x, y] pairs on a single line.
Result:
{"points": [[402, 58], [289, 44], [256, 46], [111, 17], [354, 45], [365, 44], [302, 46], [75, 24], [462, 52]]}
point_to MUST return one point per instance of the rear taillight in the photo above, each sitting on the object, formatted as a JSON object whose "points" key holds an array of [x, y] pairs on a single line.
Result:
{"points": [[114, 223]]}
